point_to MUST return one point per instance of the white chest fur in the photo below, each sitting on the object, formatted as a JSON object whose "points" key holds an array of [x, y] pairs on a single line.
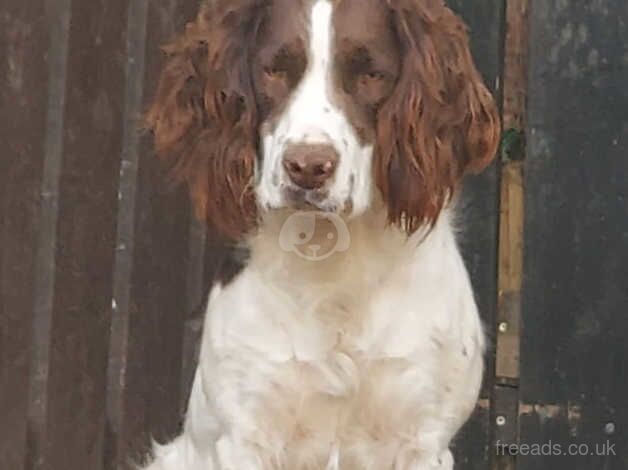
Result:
{"points": [[373, 361]]}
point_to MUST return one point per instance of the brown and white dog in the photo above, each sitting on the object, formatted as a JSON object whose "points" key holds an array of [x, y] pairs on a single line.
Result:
{"points": [[329, 136]]}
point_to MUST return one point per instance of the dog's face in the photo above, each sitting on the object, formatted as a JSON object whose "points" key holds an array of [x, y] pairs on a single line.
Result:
{"points": [[322, 105], [319, 80]]}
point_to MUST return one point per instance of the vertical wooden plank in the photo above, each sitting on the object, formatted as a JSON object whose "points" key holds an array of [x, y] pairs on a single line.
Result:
{"points": [[87, 200], [506, 390], [479, 218], [38, 455], [574, 373], [24, 41], [117, 380], [156, 255], [511, 200], [511, 270]]}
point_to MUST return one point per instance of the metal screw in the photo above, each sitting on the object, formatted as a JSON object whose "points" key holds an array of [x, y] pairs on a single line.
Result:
{"points": [[503, 327], [501, 420], [609, 428]]}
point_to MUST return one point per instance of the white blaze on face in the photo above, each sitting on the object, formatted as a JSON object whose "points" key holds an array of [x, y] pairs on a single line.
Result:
{"points": [[312, 117]]}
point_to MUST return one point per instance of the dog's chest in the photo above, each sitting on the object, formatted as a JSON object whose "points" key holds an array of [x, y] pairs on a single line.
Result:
{"points": [[355, 379], [361, 368]]}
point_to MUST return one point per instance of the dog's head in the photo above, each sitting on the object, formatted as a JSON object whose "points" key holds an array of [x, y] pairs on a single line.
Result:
{"points": [[322, 105]]}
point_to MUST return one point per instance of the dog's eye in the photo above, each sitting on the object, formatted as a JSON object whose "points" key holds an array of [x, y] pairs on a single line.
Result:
{"points": [[286, 66], [276, 73], [374, 75]]}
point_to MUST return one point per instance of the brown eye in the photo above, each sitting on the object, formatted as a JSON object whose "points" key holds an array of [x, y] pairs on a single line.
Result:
{"points": [[276, 73], [372, 87], [374, 76]]}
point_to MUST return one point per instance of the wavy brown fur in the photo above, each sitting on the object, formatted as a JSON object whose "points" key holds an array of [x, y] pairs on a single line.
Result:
{"points": [[441, 120], [204, 115]]}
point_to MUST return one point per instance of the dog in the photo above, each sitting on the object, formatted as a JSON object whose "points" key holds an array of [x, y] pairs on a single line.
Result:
{"points": [[329, 137]]}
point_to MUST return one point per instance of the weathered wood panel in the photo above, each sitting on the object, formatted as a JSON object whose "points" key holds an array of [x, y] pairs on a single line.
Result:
{"points": [[85, 235], [155, 259], [24, 43], [479, 218], [574, 371], [85, 218], [505, 406]]}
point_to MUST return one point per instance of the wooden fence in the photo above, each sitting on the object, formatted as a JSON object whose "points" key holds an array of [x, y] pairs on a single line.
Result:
{"points": [[103, 271]]}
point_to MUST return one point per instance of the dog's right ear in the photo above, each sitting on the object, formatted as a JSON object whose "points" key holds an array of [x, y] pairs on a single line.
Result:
{"points": [[203, 115]]}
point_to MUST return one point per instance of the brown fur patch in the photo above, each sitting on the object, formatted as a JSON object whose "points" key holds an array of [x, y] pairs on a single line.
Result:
{"points": [[440, 122], [204, 116]]}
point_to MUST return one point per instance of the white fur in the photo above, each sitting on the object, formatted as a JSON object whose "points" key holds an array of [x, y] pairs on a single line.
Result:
{"points": [[313, 117], [369, 359]]}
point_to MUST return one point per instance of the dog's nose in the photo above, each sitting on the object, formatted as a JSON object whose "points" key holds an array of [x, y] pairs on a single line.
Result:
{"points": [[310, 166]]}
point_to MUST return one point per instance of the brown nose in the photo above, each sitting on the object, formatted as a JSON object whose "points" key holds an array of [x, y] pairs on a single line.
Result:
{"points": [[309, 166]]}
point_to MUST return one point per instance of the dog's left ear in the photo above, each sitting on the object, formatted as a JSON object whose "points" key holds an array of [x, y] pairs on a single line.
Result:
{"points": [[440, 122]]}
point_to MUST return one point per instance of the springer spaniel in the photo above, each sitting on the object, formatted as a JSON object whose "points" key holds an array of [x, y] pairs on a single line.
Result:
{"points": [[329, 136]]}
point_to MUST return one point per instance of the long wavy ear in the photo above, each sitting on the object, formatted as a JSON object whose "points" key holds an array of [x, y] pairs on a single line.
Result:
{"points": [[203, 115], [441, 120]]}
